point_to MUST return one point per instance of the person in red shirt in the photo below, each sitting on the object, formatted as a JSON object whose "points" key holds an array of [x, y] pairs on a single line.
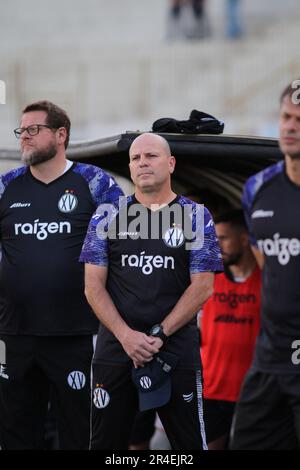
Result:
{"points": [[229, 326]]}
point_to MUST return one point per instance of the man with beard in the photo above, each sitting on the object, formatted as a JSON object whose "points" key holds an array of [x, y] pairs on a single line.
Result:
{"points": [[229, 326], [268, 412], [46, 326]]}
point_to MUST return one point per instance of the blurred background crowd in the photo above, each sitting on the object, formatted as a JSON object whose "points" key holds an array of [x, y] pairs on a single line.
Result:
{"points": [[119, 65]]}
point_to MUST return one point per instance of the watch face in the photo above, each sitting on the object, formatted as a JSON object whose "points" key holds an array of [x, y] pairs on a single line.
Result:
{"points": [[155, 330]]}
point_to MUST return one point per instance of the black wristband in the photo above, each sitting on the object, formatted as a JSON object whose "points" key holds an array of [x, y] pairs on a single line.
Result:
{"points": [[158, 332]]}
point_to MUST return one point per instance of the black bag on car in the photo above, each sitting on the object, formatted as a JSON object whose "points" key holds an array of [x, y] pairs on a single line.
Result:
{"points": [[198, 123]]}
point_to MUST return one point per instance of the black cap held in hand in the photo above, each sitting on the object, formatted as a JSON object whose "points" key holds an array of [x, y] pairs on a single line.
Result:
{"points": [[153, 381]]}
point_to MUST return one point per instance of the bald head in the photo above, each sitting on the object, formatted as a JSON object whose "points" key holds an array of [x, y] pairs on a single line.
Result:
{"points": [[147, 140], [151, 163]]}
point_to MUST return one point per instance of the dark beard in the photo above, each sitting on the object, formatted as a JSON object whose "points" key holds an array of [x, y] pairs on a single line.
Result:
{"points": [[295, 156], [234, 259], [40, 156]]}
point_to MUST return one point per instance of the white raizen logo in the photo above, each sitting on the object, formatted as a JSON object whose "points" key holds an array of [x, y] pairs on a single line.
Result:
{"points": [[174, 237], [68, 202], [76, 380], [42, 229], [101, 397], [147, 262], [283, 248], [188, 397], [260, 214], [16, 205], [145, 382]]}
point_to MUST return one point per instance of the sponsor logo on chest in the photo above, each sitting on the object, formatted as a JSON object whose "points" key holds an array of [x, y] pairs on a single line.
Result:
{"points": [[20, 205], [261, 214], [282, 248], [42, 229], [148, 262]]}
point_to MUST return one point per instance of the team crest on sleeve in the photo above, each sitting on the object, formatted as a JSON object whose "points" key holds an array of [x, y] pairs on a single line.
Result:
{"points": [[68, 201], [174, 237]]}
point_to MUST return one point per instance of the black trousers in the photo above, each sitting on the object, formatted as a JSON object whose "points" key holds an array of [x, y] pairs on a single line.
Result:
{"points": [[218, 415], [115, 403], [33, 365], [267, 413], [143, 427]]}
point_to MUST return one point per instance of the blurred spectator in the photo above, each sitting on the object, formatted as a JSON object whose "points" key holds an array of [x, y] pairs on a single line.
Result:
{"points": [[234, 24], [187, 20], [229, 326]]}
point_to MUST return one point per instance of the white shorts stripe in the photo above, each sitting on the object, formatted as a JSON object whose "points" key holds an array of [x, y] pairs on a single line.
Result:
{"points": [[200, 408], [94, 340]]}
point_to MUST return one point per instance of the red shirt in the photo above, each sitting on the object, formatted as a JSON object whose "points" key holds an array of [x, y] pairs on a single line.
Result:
{"points": [[229, 326]]}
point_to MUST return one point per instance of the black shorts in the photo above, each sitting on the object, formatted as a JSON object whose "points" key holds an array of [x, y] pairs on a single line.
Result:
{"points": [[115, 404], [267, 413], [218, 415], [33, 365]]}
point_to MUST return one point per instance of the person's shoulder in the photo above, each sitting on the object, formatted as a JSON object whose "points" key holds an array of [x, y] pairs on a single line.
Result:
{"points": [[194, 206], [89, 172], [115, 206], [198, 210], [8, 177], [13, 174], [256, 182], [124, 202], [183, 201], [102, 185]]}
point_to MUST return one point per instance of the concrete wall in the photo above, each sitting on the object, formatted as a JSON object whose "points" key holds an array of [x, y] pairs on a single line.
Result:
{"points": [[107, 63]]}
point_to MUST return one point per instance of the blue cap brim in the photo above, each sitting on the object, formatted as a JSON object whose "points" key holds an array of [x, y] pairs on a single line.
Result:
{"points": [[155, 398]]}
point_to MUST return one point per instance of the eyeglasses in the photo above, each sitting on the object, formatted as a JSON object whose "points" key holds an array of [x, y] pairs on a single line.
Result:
{"points": [[34, 129]]}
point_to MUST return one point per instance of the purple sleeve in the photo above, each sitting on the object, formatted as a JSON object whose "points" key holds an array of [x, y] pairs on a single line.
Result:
{"points": [[95, 246], [103, 186], [10, 176], [252, 187], [206, 258]]}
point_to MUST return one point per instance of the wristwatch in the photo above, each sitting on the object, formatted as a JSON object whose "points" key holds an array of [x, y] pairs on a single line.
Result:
{"points": [[158, 331]]}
